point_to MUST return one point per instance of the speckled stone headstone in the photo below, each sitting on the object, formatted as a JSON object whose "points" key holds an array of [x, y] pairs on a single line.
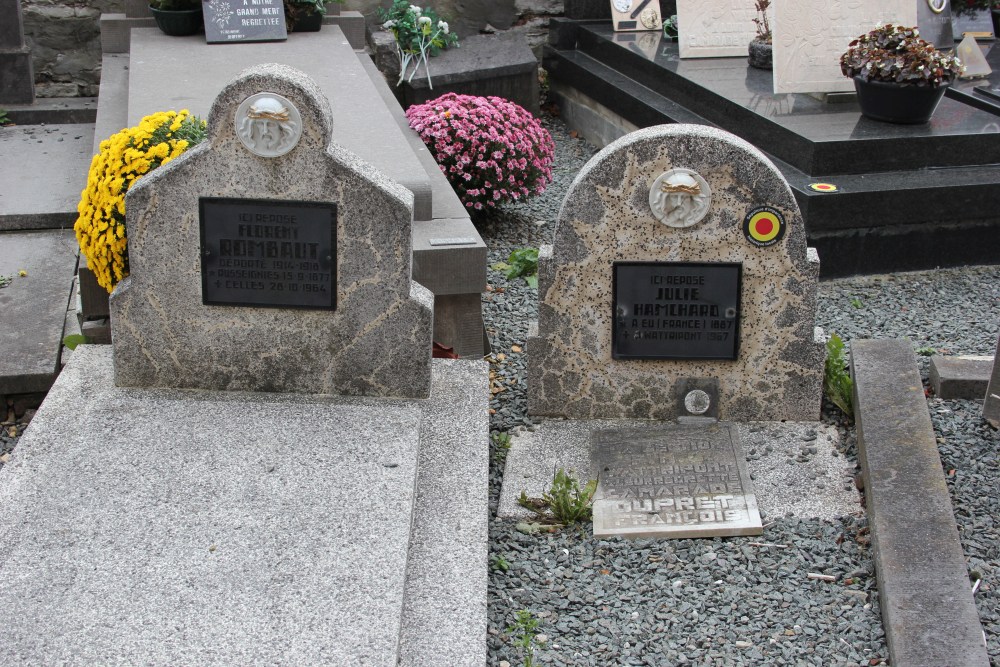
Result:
{"points": [[371, 337], [753, 228]]}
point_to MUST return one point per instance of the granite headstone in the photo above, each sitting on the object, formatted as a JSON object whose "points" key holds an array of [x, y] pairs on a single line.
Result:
{"points": [[811, 35], [934, 19], [269, 259], [679, 253]]}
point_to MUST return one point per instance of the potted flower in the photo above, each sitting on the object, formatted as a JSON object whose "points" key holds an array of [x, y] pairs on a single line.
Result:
{"points": [[760, 46], [305, 15], [900, 78], [177, 17]]}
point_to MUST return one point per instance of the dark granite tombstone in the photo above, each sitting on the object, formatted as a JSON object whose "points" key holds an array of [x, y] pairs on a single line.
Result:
{"points": [[934, 18], [17, 80]]}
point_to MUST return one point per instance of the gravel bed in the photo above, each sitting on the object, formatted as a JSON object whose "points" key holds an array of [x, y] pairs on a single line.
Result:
{"points": [[722, 601]]}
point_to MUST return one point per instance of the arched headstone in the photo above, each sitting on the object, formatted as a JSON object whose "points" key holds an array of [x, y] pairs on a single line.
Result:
{"points": [[679, 264]]}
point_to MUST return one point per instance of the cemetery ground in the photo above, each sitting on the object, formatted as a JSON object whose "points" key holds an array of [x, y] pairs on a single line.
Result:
{"points": [[725, 601]]}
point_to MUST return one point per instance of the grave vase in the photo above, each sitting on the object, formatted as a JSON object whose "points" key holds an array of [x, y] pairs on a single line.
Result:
{"points": [[178, 23], [760, 54], [897, 103]]}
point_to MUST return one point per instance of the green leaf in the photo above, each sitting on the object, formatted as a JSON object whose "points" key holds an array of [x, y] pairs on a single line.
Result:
{"points": [[532, 281], [72, 340]]}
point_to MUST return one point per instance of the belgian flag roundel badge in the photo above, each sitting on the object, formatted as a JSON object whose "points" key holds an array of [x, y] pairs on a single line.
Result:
{"points": [[764, 226]]}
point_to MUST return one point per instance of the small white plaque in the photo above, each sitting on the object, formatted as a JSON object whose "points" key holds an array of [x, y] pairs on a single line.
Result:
{"points": [[268, 124], [715, 28], [811, 35]]}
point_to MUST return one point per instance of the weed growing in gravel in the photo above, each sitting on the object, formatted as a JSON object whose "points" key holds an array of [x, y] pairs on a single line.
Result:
{"points": [[856, 302], [837, 381], [4, 118], [565, 502], [523, 631], [501, 445], [500, 563], [522, 263], [926, 351]]}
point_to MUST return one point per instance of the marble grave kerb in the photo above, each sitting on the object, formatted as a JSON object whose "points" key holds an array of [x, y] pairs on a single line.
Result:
{"points": [[372, 337], [609, 221]]}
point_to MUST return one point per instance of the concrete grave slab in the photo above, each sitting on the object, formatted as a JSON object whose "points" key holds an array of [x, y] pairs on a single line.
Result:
{"points": [[715, 28], [35, 303], [788, 478], [17, 80], [202, 528], [577, 367], [376, 342], [960, 376], [929, 614], [57, 156], [991, 406], [811, 35]]}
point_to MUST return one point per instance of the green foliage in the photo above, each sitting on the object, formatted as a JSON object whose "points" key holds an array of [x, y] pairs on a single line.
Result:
{"points": [[501, 445], [523, 631], [72, 340], [414, 35], [500, 563], [926, 351], [522, 263], [4, 118], [670, 31], [837, 381], [6, 280], [565, 502]]}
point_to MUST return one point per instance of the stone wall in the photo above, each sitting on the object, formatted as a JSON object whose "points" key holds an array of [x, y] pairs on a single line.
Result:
{"points": [[65, 40]]}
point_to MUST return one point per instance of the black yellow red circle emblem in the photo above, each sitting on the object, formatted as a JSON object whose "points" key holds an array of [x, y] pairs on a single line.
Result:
{"points": [[764, 226], [823, 187]]}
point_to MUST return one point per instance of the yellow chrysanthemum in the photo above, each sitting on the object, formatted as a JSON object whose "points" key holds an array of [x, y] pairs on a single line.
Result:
{"points": [[123, 159]]}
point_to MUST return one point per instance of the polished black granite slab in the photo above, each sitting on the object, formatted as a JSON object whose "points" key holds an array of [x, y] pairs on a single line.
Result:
{"points": [[909, 197], [815, 136]]}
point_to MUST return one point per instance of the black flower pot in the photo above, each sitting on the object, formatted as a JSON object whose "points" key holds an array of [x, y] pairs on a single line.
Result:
{"points": [[308, 22], [898, 103], [760, 54], [178, 23]]}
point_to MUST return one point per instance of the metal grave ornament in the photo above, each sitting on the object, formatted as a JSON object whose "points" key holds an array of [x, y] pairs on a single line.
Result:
{"points": [[680, 198], [681, 480], [268, 124], [632, 15]]}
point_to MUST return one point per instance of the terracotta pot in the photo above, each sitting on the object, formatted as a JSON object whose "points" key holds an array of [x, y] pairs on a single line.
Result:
{"points": [[178, 23], [898, 103], [760, 55]]}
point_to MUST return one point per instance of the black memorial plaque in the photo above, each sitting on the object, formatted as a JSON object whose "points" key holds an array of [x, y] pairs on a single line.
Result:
{"points": [[229, 21], [276, 254], [676, 310]]}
